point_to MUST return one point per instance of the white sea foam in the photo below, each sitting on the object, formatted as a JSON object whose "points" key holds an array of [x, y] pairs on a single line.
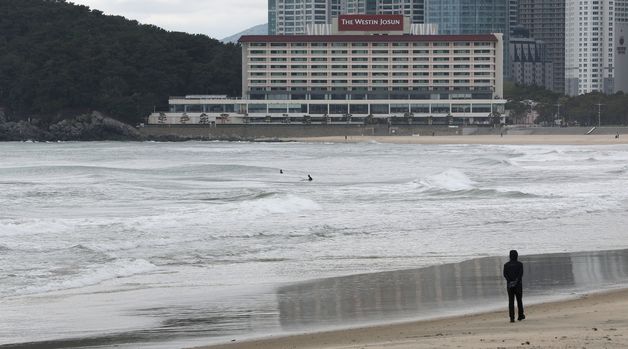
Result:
{"points": [[277, 204], [449, 180], [93, 275]]}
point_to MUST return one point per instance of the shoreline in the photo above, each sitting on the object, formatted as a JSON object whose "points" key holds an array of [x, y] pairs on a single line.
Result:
{"points": [[591, 320], [471, 139]]}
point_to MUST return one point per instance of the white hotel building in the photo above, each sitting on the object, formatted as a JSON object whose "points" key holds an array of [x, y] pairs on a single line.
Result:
{"points": [[358, 74]]}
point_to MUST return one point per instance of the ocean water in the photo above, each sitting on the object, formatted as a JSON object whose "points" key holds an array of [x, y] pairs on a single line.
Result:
{"points": [[176, 244]]}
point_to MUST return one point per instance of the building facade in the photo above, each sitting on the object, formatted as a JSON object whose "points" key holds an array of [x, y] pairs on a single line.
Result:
{"points": [[529, 63], [352, 76], [589, 46], [545, 21], [513, 13], [621, 42], [415, 9], [293, 17], [454, 17]]}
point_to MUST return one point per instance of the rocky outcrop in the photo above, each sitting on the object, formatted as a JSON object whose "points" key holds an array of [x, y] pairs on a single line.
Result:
{"points": [[21, 131], [88, 127], [93, 127]]}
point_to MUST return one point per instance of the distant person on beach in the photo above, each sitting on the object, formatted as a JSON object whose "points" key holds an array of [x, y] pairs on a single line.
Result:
{"points": [[309, 178], [513, 272], [281, 171]]}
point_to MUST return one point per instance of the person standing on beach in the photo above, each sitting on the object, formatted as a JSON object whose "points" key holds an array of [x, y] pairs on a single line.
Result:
{"points": [[513, 272]]}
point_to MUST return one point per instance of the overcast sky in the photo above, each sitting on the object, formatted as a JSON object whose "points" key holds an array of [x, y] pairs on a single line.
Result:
{"points": [[215, 18]]}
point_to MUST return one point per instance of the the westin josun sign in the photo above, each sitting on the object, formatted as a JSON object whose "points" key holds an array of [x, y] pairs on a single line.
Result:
{"points": [[370, 23]]}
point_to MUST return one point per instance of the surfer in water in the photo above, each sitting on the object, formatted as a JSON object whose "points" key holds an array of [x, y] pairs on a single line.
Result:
{"points": [[309, 178], [281, 171]]}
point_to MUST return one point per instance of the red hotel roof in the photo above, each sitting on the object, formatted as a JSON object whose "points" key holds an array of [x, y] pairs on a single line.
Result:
{"points": [[365, 38]]}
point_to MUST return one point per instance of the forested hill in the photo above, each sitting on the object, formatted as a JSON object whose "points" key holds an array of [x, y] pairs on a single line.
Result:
{"points": [[58, 58]]}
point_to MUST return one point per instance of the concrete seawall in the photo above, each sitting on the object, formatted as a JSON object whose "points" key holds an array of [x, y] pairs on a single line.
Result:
{"points": [[272, 132]]}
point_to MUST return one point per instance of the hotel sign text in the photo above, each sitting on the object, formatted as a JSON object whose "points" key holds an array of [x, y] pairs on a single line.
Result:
{"points": [[370, 23]]}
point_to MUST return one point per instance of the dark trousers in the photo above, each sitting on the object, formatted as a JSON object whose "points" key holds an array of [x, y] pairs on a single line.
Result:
{"points": [[512, 293]]}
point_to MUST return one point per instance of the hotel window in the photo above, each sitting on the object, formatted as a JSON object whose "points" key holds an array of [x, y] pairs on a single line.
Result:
{"points": [[399, 108], [461, 108], [420, 108], [379, 109]]}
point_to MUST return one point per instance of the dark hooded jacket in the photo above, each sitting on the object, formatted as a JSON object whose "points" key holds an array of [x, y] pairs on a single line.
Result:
{"points": [[513, 270]]}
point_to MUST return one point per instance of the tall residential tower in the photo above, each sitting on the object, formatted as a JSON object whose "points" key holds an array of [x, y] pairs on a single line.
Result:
{"points": [[545, 20], [292, 17], [589, 46], [621, 41]]}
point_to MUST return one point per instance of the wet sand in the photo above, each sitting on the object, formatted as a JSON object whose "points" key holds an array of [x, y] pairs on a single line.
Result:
{"points": [[429, 307], [478, 139], [591, 321]]}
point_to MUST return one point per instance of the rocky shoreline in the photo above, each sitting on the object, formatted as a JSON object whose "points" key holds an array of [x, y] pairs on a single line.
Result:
{"points": [[86, 127]]}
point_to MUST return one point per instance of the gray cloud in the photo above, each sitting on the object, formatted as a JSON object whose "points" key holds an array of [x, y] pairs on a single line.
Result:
{"points": [[215, 18]]}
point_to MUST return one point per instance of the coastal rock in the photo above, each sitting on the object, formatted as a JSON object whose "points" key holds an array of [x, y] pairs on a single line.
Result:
{"points": [[87, 127], [21, 131], [93, 127]]}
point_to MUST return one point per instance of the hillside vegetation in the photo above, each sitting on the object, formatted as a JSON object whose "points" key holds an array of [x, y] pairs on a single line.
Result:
{"points": [[58, 59]]}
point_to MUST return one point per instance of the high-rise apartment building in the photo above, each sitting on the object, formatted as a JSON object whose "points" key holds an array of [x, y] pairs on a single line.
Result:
{"points": [[545, 21], [468, 16], [272, 17], [292, 17], [339, 7], [513, 13], [529, 63], [415, 9], [621, 41], [589, 46]]}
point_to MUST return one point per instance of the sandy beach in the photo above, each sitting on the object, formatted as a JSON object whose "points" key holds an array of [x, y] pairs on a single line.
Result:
{"points": [[474, 139], [595, 320]]}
